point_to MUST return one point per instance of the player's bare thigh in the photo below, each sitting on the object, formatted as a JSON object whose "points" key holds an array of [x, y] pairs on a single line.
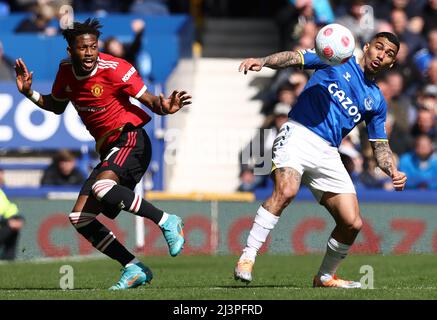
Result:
{"points": [[287, 183]]}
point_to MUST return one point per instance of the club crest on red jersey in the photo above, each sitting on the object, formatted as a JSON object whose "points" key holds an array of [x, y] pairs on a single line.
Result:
{"points": [[97, 90]]}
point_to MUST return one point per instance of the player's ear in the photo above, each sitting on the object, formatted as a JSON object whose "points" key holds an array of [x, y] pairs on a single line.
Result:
{"points": [[366, 47], [69, 51]]}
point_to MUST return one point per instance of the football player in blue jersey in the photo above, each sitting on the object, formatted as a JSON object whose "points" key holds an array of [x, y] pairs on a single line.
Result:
{"points": [[334, 101]]}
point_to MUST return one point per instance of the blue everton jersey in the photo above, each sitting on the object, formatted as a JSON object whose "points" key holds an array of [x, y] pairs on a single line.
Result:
{"points": [[338, 98]]}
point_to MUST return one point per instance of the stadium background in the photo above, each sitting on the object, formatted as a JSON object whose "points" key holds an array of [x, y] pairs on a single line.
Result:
{"points": [[197, 45]]}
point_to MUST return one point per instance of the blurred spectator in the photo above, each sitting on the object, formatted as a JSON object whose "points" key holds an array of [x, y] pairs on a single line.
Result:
{"points": [[399, 21], [406, 67], [399, 138], [150, 7], [260, 148], [387, 91], [429, 15], [423, 57], [373, 177], [420, 166], [291, 20], [432, 72], [286, 87], [4, 9], [427, 98], [127, 51], [101, 7], [11, 223], [425, 123], [39, 22], [7, 72], [382, 10], [286, 94], [351, 158], [63, 171], [352, 21], [400, 104]]}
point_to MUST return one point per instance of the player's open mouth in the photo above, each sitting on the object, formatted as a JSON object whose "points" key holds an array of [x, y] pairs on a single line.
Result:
{"points": [[376, 64], [88, 64]]}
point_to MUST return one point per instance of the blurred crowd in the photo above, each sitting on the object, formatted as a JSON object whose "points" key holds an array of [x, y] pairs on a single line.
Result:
{"points": [[99, 7], [45, 16], [410, 87]]}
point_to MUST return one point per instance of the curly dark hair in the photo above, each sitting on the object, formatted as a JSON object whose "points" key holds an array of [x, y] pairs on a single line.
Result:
{"points": [[90, 26]]}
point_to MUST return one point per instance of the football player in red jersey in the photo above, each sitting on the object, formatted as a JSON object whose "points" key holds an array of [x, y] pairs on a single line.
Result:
{"points": [[99, 87]]}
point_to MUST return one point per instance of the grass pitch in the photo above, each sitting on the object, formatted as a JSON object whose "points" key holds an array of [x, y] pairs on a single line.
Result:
{"points": [[205, 277]]}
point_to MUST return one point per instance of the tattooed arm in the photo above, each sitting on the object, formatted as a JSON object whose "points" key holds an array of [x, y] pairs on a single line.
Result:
{"points": [[383, 156], [384, 160], [278, 60], [282, 59]]}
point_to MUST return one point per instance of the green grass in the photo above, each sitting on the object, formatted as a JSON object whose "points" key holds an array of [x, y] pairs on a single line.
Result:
{"points": [[204, 277]]}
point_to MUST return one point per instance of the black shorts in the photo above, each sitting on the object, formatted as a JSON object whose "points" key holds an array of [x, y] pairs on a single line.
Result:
{"points": [[128, 157]]}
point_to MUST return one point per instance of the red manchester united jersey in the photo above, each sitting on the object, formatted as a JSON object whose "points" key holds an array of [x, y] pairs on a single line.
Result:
{"points": [[102, 97]]}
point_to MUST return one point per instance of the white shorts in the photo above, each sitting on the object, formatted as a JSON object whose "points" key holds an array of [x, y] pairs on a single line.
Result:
{"points": [[313, 157]]}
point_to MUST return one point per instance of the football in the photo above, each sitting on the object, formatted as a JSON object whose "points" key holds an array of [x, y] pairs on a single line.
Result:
{"points": [[335, 44]]}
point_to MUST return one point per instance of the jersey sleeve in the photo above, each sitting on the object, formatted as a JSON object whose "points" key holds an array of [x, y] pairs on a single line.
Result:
{"points": [[130, 80], [376, 124], [58, 88], [310, 59]]}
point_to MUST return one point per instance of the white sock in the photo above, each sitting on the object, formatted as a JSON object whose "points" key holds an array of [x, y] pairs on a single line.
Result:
{"points": [[163, 219], [134, 261], [335, 252], [263, 224]]}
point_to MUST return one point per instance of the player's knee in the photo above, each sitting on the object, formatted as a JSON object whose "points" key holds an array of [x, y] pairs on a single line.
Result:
{"points": [[81, 219], [285, 195], [357, 225], [101, 187], [354, 225]]}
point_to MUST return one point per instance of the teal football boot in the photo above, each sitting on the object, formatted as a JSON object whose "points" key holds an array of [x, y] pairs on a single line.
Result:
{"points": [[133, 276], [174, 234]]}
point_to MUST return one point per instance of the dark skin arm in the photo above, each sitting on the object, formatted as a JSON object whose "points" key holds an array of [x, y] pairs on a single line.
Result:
{"points": [[158, 104], [162, 106], [384, 159], [24, 84], [277, 60]]}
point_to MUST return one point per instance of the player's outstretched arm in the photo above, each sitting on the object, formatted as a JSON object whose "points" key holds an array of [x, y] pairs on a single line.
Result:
{"points": [[280, 60], [384, 159], [162, 106], [24, 85]]}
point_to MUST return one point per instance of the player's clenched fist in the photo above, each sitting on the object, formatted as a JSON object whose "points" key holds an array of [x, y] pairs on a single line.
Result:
{"points": [[251, 64], [399, 179]]}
